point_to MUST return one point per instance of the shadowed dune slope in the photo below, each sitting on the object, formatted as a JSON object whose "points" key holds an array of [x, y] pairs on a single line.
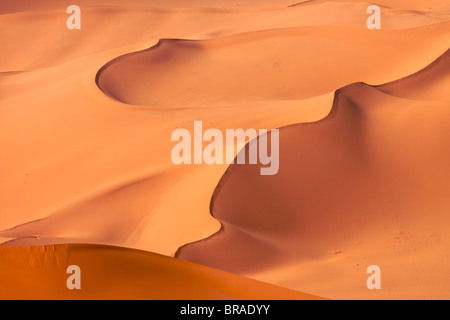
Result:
{"points": [[431, 83], [119, 273], [372, 171]]}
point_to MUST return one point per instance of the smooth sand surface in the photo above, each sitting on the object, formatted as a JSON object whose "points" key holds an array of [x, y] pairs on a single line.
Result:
{"points": [[107, 272], [86, 118]]}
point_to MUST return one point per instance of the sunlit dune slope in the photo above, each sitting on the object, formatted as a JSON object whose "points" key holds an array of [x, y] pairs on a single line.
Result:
{"points": [[280, 64], [431, 83], [118, 273]]}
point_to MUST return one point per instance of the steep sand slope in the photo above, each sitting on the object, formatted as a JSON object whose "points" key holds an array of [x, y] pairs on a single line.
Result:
{"points": [[118, 273], [366, 185], [431, 83]]}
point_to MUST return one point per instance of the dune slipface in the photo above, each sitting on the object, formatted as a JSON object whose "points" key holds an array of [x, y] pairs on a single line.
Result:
{"points": [[367, 183]]}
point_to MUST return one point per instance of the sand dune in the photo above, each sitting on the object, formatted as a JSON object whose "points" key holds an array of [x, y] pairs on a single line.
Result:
{"points": [[372, 174], [118, 273], [86, 118], [195, 73]]}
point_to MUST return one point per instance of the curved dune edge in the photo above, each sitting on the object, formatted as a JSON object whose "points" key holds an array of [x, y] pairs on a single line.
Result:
{"points": [[364, 183], [183, 73], [117, 273], [430, 83]]}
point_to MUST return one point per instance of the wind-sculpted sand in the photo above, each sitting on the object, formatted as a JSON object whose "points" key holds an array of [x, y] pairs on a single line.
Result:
{"points": [[366, 184], [86, 118], [120, 273]]}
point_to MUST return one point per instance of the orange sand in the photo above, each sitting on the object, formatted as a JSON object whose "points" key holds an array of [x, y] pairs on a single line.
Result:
{"points": [[119, 273], [86, 118], [374, 192]]}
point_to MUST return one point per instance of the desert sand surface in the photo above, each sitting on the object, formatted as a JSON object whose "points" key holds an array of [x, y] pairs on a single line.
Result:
{"points": [[120, 273], [371, 180], [86, 118]]}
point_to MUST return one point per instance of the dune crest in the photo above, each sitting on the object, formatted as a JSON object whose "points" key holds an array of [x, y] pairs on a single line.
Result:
{"points": [[431, 83]]}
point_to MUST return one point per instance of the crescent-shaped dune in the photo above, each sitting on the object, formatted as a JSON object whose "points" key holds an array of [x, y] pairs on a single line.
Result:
{"points": [[367, 184]]}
